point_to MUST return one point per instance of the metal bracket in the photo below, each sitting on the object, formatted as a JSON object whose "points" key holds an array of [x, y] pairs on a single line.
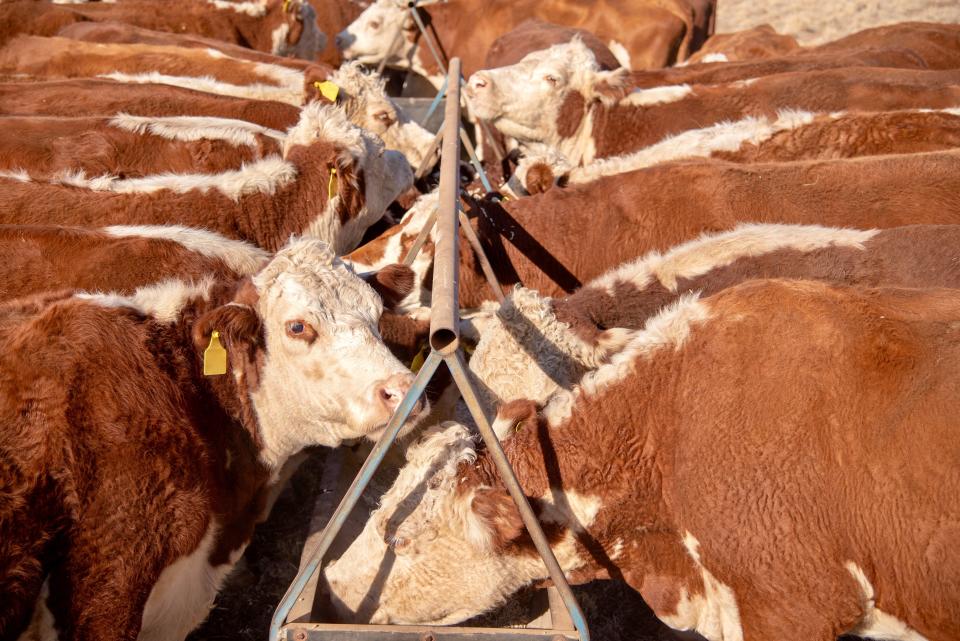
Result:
{"points": [[445, 347]]}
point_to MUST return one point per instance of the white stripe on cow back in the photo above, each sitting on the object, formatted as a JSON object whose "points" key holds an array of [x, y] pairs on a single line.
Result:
{"points": [[714, 614], [877, 624], [252, 8], [209, 84], [711, 251], [240, 256], [656, 95], [189, 128], [669, 328], [161, 301]]}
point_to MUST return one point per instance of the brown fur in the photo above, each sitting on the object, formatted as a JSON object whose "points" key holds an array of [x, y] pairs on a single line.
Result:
{"points": [[46, 146], [839, 383], [333, 16], [911, 256], [176, 16], [46, 57], [761, 41], [266, 220], [662, 30], [75, 377], [559, 240], [89, 97], [535, 35], [936, 43], [620, 129]]}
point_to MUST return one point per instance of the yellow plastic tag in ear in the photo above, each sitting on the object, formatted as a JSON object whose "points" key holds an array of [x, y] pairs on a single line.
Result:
{"points": [[417, 363], [328, 90], [214, 357], [332, 185], [286, 5]]}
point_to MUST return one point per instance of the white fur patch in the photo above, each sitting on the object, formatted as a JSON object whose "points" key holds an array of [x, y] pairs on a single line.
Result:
{"points": [[209, 84], [240, 256], [42, 626], [714, 614], [20, 175], [669, 328], [657, 95], [714, 57], [711, 251], [620, 53], [161, 301], [877, 624], [253, 8], [189, 128], [264, 176], [183, 595], [278, 39]]}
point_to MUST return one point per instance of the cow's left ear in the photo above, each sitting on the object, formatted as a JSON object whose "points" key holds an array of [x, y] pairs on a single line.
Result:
{"points": [[240, 330], [494, 520], [612, 86], [347, 181], [393, 283]]}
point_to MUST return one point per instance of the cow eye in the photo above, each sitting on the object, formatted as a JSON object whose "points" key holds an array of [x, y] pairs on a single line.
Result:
{"points": [[374, 24], [300, 329], [553, 80], [296, 327], [383, 116]]}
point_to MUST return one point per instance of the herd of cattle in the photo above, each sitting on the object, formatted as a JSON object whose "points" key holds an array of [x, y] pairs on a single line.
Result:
{"points": [[725, 372]]}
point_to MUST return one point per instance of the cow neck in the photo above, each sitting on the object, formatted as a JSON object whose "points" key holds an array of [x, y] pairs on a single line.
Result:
{"points": [[422, 61], [620, 129]]}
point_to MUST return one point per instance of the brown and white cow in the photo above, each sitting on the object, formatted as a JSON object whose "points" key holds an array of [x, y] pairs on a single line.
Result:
{"points": [[273, 26], [661, 32], [532, 345], [333, 181], [761, 41], [559, 97], [208, 70], [792, 135], [131, 146], [550, 242], [764, 463], [134, 481]]}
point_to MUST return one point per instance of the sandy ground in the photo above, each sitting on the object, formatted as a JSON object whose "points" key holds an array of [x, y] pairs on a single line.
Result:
{"points": [[817, 21]]}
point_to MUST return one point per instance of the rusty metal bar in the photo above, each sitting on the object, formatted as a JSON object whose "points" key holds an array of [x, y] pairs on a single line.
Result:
{"points": [[444, 301]]}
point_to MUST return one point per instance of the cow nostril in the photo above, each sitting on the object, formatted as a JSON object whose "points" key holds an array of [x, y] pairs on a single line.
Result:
{"points": [[386, 395]]}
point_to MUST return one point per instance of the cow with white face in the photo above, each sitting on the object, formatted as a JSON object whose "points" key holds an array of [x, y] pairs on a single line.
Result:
{"points": [[167, 418], [547, 97], [368, 38], [367, 104]]}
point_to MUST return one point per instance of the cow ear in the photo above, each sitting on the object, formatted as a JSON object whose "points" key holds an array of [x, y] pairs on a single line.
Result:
{"points": [[240, 329], [393, 283], [495, 520], [347, 182], [612, 86], [539, 178]]}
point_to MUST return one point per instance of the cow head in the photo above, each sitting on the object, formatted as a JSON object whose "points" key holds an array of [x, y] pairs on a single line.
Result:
{"points": [[547, 95], [541, 167], [412, 561], [357, 178], [293, 29], [366, 102], [301, 337], [368, 38]]}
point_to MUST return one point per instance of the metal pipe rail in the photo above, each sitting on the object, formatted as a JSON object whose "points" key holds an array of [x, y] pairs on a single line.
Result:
{"points": [[445, 343]]}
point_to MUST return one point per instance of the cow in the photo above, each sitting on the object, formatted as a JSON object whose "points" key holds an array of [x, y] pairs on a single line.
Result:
{"points": [[761, 41], [207, 70], [131, 146], [333, 181], [662, 32], [792, 135], [532, 345], [559, 97], [764, 463], [157, 425], [936, 43], [551, 242], [273, 26]]}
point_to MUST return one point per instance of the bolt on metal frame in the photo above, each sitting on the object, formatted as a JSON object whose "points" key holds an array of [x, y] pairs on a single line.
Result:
{"points": [[445, 347]]}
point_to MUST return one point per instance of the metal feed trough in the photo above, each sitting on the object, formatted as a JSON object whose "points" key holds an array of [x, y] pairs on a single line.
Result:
{"points": [[445, 348]]}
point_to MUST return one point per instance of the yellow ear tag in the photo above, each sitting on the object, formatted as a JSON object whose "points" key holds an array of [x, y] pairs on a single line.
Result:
{"points": [[286, 5], [332, 184], [328, 90], [417, 363], [214, 357]]}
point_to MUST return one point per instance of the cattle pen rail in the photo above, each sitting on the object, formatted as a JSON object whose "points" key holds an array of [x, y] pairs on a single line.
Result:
{"points": [[445, 347]]}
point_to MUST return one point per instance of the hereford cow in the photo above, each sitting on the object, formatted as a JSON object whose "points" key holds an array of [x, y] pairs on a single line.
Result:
{"points": [[96, 547], [206, 70], [532, 345], [661, 32], [560, 98], [793, 135], [761, 41], [333, 181], [280, 27], [131, 146], [777, 461], [549, 242], [936, 43]]}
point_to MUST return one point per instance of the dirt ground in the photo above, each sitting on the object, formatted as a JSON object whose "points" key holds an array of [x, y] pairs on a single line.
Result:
{"points": [[615, 613], [817, 21]]}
